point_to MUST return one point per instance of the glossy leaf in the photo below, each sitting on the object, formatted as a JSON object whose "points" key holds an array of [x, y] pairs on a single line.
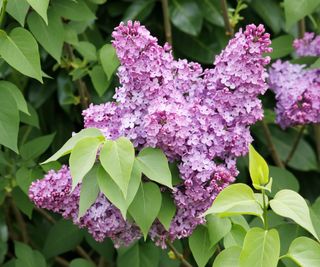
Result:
{"points": [[108, 59], [290, 204], [211, 11], [139, 10], [154, 164], [228, 257], [261, 248], [200, 245], [89, 191], [305, 252], [167, 211], [51, 35], [235, 199], [82, 158], [145, 206], [117, 158], [258, 168], [20, 50]]}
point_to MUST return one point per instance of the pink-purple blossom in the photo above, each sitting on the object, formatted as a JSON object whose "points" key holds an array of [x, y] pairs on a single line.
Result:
{"points": [[199, 118]]}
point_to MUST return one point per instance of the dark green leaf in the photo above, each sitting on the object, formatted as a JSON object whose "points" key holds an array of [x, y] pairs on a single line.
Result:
{"points": [[81, 263], [77, 11], [28, 257], [282, 179], [31, 119], [87, 50], [108, 59], [99, 80], [211, 11], [167, 211], [139, 10], [282, 46], [40, 6], [22, 201]]}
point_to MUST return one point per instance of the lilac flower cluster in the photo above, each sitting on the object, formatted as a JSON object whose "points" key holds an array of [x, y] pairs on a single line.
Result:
{"points": [[297, 89], [199, 118]]}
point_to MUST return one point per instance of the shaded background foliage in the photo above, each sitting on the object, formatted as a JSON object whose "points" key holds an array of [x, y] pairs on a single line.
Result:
{"points": [[56, 58]]}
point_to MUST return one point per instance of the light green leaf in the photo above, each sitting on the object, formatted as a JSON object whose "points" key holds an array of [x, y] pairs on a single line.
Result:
{"points": [[36, 147], [9, 121], [108, 59], [235, 199], [81, 263], [18, 9], [282, 46], [200, 245], [87, 50], [167, 211], [41, 7], [82, 158], [110, 189], [62, 237], [282, 179], [89, 191], [258, 168], [235, 237], [117, 158], [290, 204], [186, 15], [240, 220], [154, 164], [145, 206], [77, 11], [297, 9], [51, 35], [69, 145], [228, 257], [218, 228], [316, 64], [305, 252], [20, 51], [99, 80], [261, 248], [16, 94]]}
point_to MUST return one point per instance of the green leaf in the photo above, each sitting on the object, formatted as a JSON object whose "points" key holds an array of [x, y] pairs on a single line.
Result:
{"points": [[117, 158], [22, 201], [18, 9], [200, 246], [295, 10], [108, 59], [186, 16], [89, 191], [99, 80], [235, 199], [228, 257], [258, 168], [261, 248], [82, 158], [110, 189], [167, 211], [154, 164], [105, 248], [62, 237], [288, 203], [282, 46], [305, 252], [87, 50], [41, 7], [235, 237], [316, 64], [218, 228], [36, 147], [81, 263], [28, 257], [240, 220], [51, 35], [145, 206], [69, 145], [282, 179], [77, 11], [25, 177], [20, 51], [31, 119], [9, 121], [288, 232], [139, 255], [211, 11], [139, 10], [16, 94]]}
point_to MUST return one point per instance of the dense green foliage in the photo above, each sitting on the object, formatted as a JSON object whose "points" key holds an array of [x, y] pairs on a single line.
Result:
{"points": [[56, 58]]}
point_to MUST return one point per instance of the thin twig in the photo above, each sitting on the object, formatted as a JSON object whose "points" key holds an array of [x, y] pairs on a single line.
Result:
{"points": [[62, 261], [178, 254], [295, 145], [272, 148], [20, 221], [166, 21], [316, 128], [301, 27], [227, 24]]}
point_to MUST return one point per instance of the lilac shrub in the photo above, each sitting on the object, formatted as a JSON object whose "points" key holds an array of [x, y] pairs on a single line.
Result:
{"points": [[297, 89], [199, 118]]}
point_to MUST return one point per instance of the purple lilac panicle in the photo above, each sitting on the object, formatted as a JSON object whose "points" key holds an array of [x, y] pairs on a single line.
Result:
{"points": [[297, 89], [199, 118]]}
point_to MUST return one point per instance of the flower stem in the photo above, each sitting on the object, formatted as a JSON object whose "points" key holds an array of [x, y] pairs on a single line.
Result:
{"points": [[166, 21], [178, 254], [265, 209], [272, 148], [316, 128], [301, 27], [295, 145], [224, 7]]}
